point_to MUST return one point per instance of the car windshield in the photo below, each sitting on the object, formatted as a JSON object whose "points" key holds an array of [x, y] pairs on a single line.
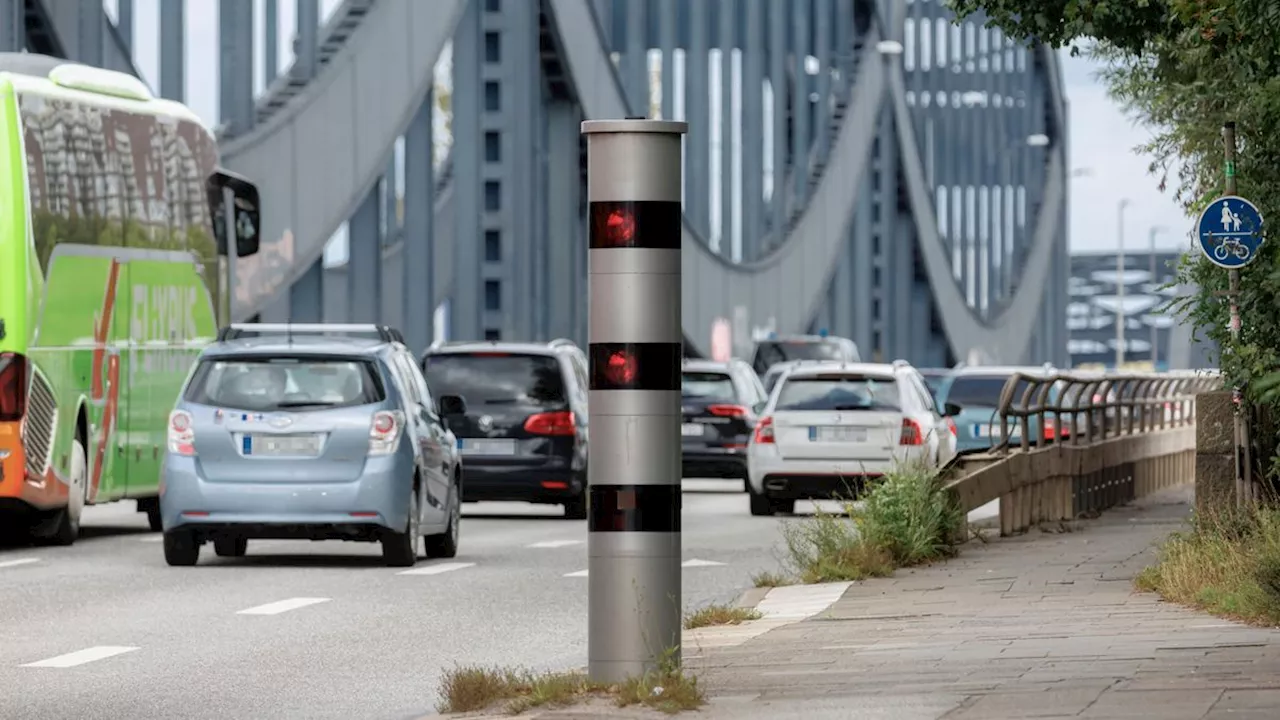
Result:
{"points": [[839, 392], [496, 378], [707, 386], [983, 391], [772, 352], [284, 383]]}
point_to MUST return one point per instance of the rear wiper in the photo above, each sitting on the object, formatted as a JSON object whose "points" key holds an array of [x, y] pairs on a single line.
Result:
{"points": [[852, 407], [502, 401]]}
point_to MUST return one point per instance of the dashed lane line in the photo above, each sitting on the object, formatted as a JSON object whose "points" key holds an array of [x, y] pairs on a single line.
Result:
{"points": [[17, 562], [437, 569], [555, 543], [80, 657], [691, 563], [282, 606]]}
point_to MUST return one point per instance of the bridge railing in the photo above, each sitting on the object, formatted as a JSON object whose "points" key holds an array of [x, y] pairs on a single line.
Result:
{"points": [[1101, 439]]}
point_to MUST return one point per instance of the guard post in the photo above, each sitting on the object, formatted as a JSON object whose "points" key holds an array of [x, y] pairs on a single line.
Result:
{"points": [[635, 342]]}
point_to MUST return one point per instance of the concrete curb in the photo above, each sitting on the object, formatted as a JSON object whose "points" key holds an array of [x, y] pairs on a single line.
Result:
{"points": [[752, 597]]}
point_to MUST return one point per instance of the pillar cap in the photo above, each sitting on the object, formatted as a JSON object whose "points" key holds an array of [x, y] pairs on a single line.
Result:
{"points": [[671, 127]]}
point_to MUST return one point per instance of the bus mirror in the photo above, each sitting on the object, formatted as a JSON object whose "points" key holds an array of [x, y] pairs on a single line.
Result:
{"points": [[248, 218]]}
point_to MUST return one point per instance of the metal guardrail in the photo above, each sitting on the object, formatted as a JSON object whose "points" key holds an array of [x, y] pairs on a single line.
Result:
{"points": [[1114, 437]]}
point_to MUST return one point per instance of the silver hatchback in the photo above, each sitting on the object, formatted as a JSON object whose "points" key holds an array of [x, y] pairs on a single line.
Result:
{"points": [[288, 435]]}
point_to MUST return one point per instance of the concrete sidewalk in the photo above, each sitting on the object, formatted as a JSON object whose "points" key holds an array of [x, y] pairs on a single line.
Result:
{"points": [[1037, 626]]}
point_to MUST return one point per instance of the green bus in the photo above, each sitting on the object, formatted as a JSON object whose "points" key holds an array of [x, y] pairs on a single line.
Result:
{"points": [[111, 280]]}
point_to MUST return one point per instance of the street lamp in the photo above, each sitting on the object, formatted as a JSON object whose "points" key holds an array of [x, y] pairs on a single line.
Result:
{"points": [[1120, 315]]}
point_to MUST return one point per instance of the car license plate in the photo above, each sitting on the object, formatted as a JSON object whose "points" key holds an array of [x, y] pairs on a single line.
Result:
{"points": [[837, 434], [486, 446], [281, 445], [692, 429], [983, 430]]}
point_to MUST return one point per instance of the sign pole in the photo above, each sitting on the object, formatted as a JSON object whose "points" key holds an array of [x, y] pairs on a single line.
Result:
{"points": [[635, 341], [1244, 485]]}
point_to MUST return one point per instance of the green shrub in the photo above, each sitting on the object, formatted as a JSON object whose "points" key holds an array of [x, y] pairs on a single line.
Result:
{"points": [[906, 518]]}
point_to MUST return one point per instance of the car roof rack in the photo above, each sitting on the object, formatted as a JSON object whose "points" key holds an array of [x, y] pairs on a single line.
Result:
{"points": [[385, 333]]}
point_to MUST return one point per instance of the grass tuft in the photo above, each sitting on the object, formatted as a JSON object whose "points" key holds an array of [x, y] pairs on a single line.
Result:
{"points": [[1227, 563], [906, 519], [471, 688], [716, 614], [768, 579]]}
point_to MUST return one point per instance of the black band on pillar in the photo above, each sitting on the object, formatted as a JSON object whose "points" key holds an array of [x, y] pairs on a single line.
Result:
{"points": [[635, 366], [634, 508], [652, 224]]}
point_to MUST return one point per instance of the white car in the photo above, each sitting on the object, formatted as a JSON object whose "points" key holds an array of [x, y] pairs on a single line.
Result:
{"points": [[829, 426]]}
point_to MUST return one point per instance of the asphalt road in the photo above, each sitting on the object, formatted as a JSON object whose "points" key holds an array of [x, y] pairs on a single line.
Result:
{"points": [[115, 633]]}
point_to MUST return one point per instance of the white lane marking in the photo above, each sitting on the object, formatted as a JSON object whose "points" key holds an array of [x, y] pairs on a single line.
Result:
{"points": [[555, 543], [781, 606], [282, 606], [19, 561], [80, 657], [687, 563], [436, 569]]}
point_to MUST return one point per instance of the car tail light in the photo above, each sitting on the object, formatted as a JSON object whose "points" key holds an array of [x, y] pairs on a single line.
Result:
{"points": [[384, 433], [764, 432], [1050, 429], [13, 386], [559, 424], [951, 425], [911, 433], [182, 434], [730, 411]]}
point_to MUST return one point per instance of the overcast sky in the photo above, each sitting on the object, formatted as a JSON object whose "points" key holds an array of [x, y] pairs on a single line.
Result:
{"points": [[1102, 139]]}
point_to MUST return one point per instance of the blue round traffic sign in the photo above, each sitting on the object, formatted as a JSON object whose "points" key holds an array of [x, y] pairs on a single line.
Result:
{"points": [[1230, 232]]}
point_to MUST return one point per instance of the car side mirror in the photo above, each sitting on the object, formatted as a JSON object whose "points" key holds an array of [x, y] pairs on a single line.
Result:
{"points": [[452, 405], [952, 409]]}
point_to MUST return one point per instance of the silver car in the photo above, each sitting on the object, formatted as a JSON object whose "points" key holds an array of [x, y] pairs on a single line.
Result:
{"points": [[294, 432]]}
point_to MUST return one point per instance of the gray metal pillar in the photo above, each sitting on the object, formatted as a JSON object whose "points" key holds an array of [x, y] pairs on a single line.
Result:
{"points": [[753, 208], [778, 84], [862, 266], [633, 525], [364, 262], [13, 23], [271, 49], [124, 22], [800, 115], [697, 93], [306, 296], [173, 53], [728, 15], [822, 49], [464, 304], [235, 64], [418, 291], [635, 60], [306, 38], [564, 200], [92, 33], [667, 40]]}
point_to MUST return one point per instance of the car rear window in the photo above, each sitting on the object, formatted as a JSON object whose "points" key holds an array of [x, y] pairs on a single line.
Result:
{"points": [[284, 383], [496, 378], [839, 392], [707, 386], [772, 352], [983, 391]]}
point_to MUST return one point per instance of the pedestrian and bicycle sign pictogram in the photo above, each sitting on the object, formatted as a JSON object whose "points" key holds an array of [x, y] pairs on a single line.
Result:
{"points": [[1230, 232]]}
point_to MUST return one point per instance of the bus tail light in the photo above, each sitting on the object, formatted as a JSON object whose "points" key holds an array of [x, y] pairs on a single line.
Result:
{"points": [[15, 371]]}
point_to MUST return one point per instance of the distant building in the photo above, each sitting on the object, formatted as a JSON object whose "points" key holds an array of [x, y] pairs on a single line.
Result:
{"points": [[1091, 313]]}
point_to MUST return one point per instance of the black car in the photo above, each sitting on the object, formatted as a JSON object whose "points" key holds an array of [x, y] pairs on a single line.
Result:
{"points": [[778, 349], [720, 402], [524, 432]]}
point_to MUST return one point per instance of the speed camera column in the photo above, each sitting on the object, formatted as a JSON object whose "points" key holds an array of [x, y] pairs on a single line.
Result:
{"points": [[636, 345]]}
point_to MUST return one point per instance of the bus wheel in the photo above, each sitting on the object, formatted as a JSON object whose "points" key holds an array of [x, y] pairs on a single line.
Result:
{"points": [[64, 527]]}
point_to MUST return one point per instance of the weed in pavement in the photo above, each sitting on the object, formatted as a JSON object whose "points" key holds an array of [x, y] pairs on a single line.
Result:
{"points": [[768, 579], [716, 614]]}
